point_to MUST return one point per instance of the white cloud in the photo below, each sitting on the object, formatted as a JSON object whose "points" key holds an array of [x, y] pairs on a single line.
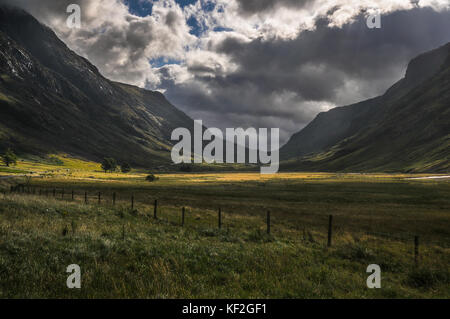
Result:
{"points": [[118, 43], [122, 44]]}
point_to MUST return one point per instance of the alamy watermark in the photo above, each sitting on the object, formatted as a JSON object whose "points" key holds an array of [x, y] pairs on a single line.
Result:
{"points": [[74, 279], [74, 19], [374, 19], [374, 280], [235, 140]]}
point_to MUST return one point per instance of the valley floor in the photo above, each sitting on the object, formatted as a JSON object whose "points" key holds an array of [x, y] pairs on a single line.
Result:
{"points": [[123, 251]]}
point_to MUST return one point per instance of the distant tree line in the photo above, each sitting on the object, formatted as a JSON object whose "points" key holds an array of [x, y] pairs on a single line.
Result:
{"points": [[109, 164]]}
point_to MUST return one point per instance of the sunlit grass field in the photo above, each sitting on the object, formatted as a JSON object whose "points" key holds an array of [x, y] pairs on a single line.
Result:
{"points": [[125, 252]]}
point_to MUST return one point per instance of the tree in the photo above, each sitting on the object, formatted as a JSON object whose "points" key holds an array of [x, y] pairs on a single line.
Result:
{"points": [[109, 164], [9, 157], [113, 164], [151, 178], [125, 167], [106, 165]]}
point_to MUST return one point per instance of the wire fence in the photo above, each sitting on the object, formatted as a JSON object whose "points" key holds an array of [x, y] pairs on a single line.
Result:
{"points": [[413, 243]]}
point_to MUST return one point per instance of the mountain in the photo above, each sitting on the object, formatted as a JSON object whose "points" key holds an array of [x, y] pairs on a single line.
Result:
{"points": [[407, 129], [53, 100]]}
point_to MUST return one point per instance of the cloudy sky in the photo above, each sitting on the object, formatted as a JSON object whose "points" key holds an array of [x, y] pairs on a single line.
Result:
{"points": [[252, 63]]}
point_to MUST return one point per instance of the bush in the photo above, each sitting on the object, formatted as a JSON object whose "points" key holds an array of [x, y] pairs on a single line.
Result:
{"points": [[151, 178], [109, 164], [125, 168]]}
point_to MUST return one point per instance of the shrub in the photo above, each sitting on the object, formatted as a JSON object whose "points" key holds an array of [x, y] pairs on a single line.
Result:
{"points": [[125, 168], [151, 178], [109, 164]]}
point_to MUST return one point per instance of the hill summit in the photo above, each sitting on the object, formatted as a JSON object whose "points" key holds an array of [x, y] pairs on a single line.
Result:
{"points": [[53, 100], [406, 129]]}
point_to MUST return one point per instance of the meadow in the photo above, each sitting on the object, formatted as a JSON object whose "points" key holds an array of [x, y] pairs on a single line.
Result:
{"points": [[125, 252]]}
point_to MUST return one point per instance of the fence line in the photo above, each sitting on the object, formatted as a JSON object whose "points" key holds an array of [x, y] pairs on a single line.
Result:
{"points": [[406, 238]]}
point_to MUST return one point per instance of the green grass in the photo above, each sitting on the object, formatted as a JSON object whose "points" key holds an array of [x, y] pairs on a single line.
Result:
{"points": [[12, 170], [161, 259], [127, 253], [359, 203]]}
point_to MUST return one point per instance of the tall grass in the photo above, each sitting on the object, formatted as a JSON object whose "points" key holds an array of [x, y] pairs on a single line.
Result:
{"points": [[126, 253]]}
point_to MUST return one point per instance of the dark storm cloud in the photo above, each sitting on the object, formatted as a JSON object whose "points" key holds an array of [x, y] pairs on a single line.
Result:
{"points": [[354, 50], [283, 82]]}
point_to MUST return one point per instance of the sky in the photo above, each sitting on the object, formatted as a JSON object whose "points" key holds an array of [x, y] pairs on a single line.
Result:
{"points": [[251, 63]]}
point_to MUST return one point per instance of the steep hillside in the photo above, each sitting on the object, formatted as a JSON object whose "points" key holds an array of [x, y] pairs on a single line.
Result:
{"points": [[406, 129], [52, 100]]}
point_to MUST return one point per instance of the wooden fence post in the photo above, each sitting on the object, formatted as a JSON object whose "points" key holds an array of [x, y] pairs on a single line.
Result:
{"points": [[220, 218], [99, 197], [268, 222], [416, 250], [114, 198], [73, 195], [132, 201], [182, 216], [155, 208], [85, 198], [330, 229], [54, 192]]}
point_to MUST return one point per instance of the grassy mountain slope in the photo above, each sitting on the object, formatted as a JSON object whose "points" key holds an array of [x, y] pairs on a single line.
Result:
{"points": [[406, 129], [53, 100]]}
